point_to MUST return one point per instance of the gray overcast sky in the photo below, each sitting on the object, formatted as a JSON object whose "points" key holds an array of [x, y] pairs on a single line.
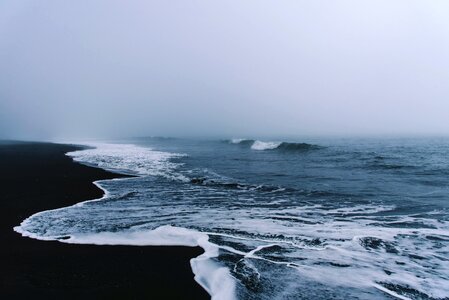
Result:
{"points": [[73, 69]]}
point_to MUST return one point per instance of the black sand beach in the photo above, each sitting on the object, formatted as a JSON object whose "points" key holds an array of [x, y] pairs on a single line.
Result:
{"points": [[38, 176]]}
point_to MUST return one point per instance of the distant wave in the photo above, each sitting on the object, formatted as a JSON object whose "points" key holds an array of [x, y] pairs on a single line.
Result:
{"points": [[242, 142], [259, 145], [284, 146]]}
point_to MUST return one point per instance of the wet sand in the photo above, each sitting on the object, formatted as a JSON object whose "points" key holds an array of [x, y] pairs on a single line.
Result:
{"points": [[38, 176]]}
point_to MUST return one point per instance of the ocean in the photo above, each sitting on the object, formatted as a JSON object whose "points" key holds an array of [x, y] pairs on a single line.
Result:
{"points": [[335, 218]]}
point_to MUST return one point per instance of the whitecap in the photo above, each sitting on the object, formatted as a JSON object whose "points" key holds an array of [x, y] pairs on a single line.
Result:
{"points": [[259, 145]]}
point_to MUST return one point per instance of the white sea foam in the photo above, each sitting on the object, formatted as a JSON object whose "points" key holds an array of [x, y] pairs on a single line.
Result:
{"points": [[213, 277], [280, 236], [259, 145], [128, 158]]}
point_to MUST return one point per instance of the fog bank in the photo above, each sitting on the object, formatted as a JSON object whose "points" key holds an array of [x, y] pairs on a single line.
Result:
{"points": [[76, 69]]}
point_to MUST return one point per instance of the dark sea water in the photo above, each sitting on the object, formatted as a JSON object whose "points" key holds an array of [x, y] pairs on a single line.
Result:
{"points": [[307, 219]]}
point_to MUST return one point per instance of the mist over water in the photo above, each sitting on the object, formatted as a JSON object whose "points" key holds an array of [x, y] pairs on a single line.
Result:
{"points": [[72, 69]]}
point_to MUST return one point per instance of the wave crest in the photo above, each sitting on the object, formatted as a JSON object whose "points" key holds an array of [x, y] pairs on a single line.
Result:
{"points": [[259, 145], [283, 146]]}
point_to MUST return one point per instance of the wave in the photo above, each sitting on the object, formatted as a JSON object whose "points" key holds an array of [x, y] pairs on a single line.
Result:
{"points": [[281, 146], [259, 145], [242, 142]]}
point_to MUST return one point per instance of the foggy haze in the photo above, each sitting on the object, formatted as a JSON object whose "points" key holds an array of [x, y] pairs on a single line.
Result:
{"points": [[75, 69]]}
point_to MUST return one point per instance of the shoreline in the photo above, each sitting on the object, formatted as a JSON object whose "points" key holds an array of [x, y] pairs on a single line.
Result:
{"points": [[53, 269]]}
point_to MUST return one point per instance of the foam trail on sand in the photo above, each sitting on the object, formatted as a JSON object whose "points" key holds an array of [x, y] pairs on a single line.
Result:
{"points": [[214, 278], [130, 159]]}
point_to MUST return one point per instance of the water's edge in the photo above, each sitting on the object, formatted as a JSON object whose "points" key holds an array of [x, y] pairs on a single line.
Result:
{"points": [[212, 277]]}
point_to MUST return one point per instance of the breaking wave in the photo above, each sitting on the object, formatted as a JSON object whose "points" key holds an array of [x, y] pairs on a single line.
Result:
{"points": [[282, 146]]}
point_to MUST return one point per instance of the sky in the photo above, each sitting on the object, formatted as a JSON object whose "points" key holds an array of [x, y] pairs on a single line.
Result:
{"points": [[113, 68]]}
